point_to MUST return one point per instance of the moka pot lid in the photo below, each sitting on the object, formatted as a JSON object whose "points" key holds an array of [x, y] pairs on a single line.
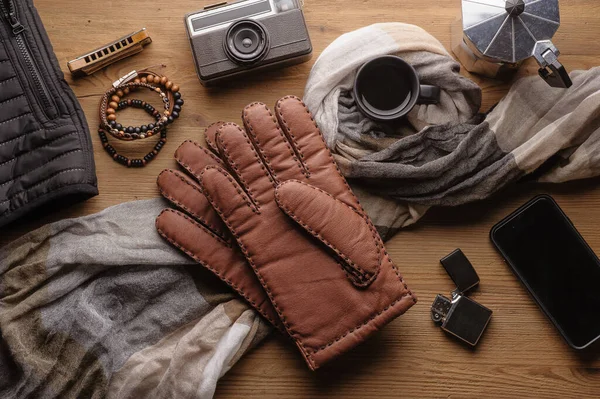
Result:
{"points": [[509, 30]]}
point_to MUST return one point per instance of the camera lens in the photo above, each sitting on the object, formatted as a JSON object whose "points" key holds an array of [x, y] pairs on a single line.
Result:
{"points": [[246, 42]]}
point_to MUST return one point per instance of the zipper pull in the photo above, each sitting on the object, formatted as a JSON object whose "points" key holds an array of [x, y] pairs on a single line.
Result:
{"points": [[10, 13], [15, 24]]}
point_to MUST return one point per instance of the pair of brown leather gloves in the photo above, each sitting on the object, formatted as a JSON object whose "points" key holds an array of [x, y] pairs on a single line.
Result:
{"points": [[268, 211]]}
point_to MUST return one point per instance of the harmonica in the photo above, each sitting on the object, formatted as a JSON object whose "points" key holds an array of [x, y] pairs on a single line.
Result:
{"points": [[112, 52]]}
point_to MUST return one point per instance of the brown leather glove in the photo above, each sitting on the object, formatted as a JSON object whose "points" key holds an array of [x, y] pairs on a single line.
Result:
{"points": [[312, 246], [199, 232]]}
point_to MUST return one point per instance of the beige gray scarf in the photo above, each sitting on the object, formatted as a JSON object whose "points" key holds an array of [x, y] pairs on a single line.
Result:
{"points": [[447, 154]]}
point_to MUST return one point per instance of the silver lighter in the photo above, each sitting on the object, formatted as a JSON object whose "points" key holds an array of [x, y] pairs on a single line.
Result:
{"points": [[461, 316]]}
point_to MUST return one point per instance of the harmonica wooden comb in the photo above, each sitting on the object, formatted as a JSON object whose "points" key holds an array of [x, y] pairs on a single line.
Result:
{"points": [[99, 58]]}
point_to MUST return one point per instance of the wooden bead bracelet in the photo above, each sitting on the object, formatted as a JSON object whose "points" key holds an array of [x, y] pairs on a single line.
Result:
{"points": [[108, 111], [136, 132], [113, 101]]}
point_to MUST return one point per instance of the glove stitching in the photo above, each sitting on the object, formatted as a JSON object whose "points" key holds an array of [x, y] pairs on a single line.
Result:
{"points": [[235, 166], [215, 271], [179, 204], [308, 352], [230, 160], [366, 217], [209, 232], [207, 152], [242, 247], [371, 276], [361, 278], [303, 168], [207, 139], [289, 131], [241, 192], [399, 276], [365, 323], [326, 148], [376, 237]]}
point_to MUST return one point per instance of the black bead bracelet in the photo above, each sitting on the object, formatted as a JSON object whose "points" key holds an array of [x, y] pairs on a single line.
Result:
{"points": [[113, 101], [110, 104], [136, 162], [131, 132]]}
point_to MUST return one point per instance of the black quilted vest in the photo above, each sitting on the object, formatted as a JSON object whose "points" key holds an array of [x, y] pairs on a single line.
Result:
{"points": [[45, 148]]}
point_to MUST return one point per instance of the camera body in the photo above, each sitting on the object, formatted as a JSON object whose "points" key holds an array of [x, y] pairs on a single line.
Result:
{"points": [[232, 39]]}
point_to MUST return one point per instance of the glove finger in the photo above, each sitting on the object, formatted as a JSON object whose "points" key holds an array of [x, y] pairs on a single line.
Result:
{"points": [[218, 256], [337, 225], [194, 158], [241, 157], [298, 124], [274, 147], [210, 136], [187, 195], [228, 198]]}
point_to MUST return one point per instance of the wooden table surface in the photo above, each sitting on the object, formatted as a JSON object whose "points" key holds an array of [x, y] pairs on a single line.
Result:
{"points": [[521, 355]]}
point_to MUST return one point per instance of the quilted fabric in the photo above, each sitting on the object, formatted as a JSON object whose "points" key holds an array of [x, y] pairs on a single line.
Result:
{"points": [[45, 147]]}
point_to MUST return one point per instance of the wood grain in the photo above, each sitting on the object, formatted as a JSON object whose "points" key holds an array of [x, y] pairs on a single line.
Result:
{"points": [[520, 355]]}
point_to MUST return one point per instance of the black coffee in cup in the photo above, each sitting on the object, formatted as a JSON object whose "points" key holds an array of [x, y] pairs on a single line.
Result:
{"points": [[387, 88]]}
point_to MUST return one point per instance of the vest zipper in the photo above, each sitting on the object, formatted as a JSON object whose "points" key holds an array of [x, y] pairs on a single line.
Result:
{"points": [[10, 14]]}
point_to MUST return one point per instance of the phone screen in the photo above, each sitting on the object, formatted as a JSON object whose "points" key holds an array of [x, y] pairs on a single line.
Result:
{"points": [[557, 266]]}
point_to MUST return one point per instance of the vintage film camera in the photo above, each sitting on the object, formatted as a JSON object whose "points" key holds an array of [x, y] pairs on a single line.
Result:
{"points": [[231, 39]]}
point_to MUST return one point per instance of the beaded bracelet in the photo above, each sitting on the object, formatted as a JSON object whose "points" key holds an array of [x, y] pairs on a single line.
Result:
{"points": [[136, 162], [108, 111], [113, 101], [136, 132], [172, 90], [130, 82]]}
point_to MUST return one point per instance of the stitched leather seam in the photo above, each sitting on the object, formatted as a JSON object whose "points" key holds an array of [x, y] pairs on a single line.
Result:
{"points": [[253, 265], [285, 140], [306, 351], [184, 207], [37, 184], [232, 162], [38, 148], [365, 323], [207, 152], [12, 99], [409, 293], [189, 219], [15, 118], [239, 190], [359, 277], [41, 166], [32, 131], [363, 273], [215, 271], [289, 131], [237, 187], [327, 148], [249, 129], [207, 139], [366, 217], [236, 167], [399, 276]]}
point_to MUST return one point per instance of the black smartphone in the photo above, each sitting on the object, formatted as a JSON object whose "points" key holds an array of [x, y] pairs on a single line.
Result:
{"points": [[557, 266]]}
